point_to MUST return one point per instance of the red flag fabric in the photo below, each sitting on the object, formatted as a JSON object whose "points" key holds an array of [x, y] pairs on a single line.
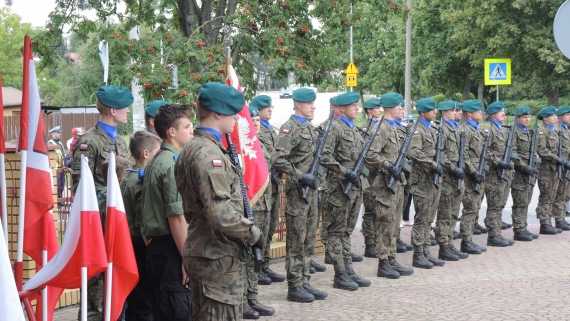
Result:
{"points": [[83, 244], [244, 137], [39, 227], [2, 140], [120, 253]]}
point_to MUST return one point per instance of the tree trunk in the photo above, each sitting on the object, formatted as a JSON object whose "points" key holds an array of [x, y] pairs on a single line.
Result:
{"points": [[466, 82], [553, 95], [481, 92]]}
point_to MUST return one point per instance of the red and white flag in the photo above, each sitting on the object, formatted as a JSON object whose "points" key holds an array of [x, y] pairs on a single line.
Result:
{"points": [[244, 137], [10, 306], [83, 244], [122, 272], [40, 237]]}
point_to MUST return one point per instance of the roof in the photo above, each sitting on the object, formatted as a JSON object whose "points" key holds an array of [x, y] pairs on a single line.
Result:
{"points": [[12, 97]]}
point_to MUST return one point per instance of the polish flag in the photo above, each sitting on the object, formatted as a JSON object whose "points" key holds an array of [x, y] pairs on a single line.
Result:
{"points": [[122, 271], [83, 247], [244, 137], [36, 198], [10, 306]]}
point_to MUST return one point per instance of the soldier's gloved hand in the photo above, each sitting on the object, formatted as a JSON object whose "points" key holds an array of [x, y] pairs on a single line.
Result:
{"points": [[529, 170], [438, 169], [458, 172], [506, 165], [478, 177], [393, 170], [560, 161], [567, 165], [309, 180], [260, 241], [352, 177]]}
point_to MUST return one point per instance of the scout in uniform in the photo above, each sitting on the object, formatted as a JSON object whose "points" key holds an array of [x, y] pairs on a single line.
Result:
{"points": [[342, 149], [382, 157], [143, 146], [521, 190], [96, 144], [149, 112], [563, 192], [55, 134], [450, 198], [426, 196], [163, 222], [268, 137], [293, 156], [218, 232], [497, 189]]}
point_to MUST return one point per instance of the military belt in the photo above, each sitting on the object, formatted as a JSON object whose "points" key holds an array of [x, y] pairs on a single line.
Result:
{"points": [[347, 164]]}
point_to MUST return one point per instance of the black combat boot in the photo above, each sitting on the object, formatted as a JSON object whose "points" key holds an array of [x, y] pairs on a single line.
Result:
{"points": [[563, 225], [497, 241], [432, 240], [344, 282], [476, 231], [404, 271], [409, 247], [312, 270], [456, 235], [275, 277], [505, 225], [480, 228], [318, 294], [567, 213], [299, 294], [446, 254], [460, 255], [434, 260], [260, 308], [481, 247], [370, 250], [385, 270], [263, 279], [356, 257], [400, 247], [470, 247], [521, 236], [511, 242], [527, 232], [420, 261], [249, 313], [328, 259], [548, 229], [318, 267], [363, 283]]}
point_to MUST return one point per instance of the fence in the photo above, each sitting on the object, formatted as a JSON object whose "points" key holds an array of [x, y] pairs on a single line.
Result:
{"points": [[66, 121]]}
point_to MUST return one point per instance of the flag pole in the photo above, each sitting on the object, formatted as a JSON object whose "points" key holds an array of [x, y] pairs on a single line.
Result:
{"points": [[109, 275], [45, 289], [228, 43], [19, 264], [83, 245]]}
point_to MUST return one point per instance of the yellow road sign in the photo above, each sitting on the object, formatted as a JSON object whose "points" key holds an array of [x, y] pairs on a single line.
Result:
{"points": [[498, 71], [351, 69], [351, 80]]}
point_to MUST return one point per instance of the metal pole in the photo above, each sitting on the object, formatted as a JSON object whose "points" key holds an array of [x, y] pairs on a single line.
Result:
{"points": [[497, 92], [408, 80], [351, 56], [138, 103]]}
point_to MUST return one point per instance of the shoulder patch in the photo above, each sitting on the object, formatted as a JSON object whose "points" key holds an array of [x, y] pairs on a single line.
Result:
{"points": [[541, 133], [416, 132], [486, 130], [83, 146], [285, 131], [217, 163]]}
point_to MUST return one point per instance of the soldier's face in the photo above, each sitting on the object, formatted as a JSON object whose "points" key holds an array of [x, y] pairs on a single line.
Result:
{"points": [[257, 123], [551, 120], [448, 114], [350, 111], [120, 115], [458, 114], [565, 118], [306, 110], [375, 112], [476, 116], [336, 111], [500, 116], [430, 115], [524, 120], [265, 113]]}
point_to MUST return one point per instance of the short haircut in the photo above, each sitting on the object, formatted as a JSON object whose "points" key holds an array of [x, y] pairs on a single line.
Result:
{"points": [[202, 112], [141, 141], [169, 116], [121, 166], [102, 109], [147, 119]]}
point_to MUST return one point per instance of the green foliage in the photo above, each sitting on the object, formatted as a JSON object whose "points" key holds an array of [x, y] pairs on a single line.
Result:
{"points": [[438, 98], [459, 97], [127, 129]]}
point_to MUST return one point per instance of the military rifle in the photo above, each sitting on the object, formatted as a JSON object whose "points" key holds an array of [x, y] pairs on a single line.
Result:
{"points": [[532, 158], [401, 161], [257, 258], [275, 176], [321, 140], [461, 162], [359, 165], [365, 133], [482, 161], [560, 155], [508, 152], [437, 157]]}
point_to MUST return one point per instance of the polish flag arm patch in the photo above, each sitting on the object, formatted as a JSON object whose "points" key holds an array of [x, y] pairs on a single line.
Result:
{"points": [[285, 131], [83, 147], [541, 133], [217, 163]]}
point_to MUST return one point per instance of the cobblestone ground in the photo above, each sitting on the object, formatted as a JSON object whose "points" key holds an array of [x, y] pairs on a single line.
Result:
{"points": [[528, 281]]}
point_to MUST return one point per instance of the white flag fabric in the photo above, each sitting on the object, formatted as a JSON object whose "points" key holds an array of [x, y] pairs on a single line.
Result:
{"points": [[10, 307], [104, 55]]}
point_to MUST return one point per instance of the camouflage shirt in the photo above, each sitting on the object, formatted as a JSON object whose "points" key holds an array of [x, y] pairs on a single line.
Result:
{"points": [[450, 151], [547, 147], [521, 146], [96, 146], [213, 203], [268, 139], [474, 140], [264, 201], [422, 150], [497, 145], [102, 202], [385, 148], [131, 189]]}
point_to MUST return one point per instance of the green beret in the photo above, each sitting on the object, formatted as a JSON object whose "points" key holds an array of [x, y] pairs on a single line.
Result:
{"points": [[333, 101], [495, 107], [447, 105], [347, 98], [471, 106], [304, 95], [221, 98], [260, 102], [562, 110], [253, 112], [372, 103], [546, 112], [458, 105], [425, 105], [152, 107], [390, 100], [115, 97], [522, 110], [402, 101]]}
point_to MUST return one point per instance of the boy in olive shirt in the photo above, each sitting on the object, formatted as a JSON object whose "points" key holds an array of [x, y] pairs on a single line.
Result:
{"points": [[163, 223], [143, 146]]}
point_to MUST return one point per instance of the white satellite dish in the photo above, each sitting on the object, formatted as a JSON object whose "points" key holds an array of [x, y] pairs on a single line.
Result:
{"points": [[562, 28]]}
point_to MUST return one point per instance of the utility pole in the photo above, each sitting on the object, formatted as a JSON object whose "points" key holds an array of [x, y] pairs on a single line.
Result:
{"points": [[408, 81], [351, 56], [138, 103]]}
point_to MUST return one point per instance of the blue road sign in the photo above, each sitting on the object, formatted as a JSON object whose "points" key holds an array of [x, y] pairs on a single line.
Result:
{"points": [[498, 71]]}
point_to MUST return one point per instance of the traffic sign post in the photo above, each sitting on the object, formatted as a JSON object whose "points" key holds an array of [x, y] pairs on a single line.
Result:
{"points": [[498, 72], [351, 75]]}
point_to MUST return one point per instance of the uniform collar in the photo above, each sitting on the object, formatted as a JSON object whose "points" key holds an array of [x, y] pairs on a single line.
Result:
{"points": [[169, 147], [211, 131], [456, 122], [349, 122], [111, 131], [300, 119], [426, 122], [265, 124], [374, 122], [472, 123], [563, 125], [551, 127], [497, 123], [521, 127], [150, 131], [450, 123]]}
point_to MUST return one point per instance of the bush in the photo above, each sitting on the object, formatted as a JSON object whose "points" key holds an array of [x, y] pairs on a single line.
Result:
{"points": [[459, 96], [438, 98]]}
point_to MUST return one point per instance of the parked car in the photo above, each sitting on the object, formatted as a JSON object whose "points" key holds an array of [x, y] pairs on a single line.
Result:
{"points": [[285, 92]]}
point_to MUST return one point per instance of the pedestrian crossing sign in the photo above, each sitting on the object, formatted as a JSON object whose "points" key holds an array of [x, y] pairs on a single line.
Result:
{"points": [[498, 71]]}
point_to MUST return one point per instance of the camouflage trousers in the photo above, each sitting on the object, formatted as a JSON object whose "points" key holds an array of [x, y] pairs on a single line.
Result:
{"points": [[95, 295], [561, 200], [448, 209], [384, 220], [271, 227], [397, 218], [342, 214], [250, 276], [368, 228], [302, 220], [323, 218], [521, 191], [426, 202], [497, 192], [471, 201], [548, 186], [216, 286]]}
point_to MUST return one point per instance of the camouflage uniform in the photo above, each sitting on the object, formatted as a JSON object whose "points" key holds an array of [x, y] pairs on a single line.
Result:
{"points": [[563, 191], [402, 132], [471, 200], [496, 189], [342, 149], [426, 196], [96, 146], [450, 199], [521, 190], [294, 153], [547, 150], [369, 201], [385, 148], [218, 233]]}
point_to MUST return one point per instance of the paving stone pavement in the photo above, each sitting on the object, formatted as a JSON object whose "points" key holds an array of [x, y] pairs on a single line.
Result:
{"points": [[528, 281]]}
